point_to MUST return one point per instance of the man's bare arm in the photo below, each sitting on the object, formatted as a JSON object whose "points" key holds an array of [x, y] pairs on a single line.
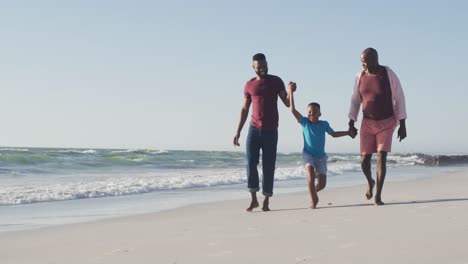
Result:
{"points": [[243, 117], [285, 97]]}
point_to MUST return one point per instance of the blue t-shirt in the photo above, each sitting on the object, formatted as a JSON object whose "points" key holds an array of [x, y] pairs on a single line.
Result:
{"points": [[314, 137]]}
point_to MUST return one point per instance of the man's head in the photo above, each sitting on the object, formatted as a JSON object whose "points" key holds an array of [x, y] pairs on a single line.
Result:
{"points": [[370, 60], [260, 65], [314, 112]]}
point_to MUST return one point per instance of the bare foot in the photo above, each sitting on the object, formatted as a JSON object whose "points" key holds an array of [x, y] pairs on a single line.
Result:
{"points": [[315, 201], [265, 207], [253, 204], [370, 188], [378, 202]]}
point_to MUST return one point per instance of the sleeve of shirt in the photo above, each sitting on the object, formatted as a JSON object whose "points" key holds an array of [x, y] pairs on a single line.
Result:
{"points": [[355, 100], [246, 91], [303, 121], [398, 97], [328, 128], [280, 85]]}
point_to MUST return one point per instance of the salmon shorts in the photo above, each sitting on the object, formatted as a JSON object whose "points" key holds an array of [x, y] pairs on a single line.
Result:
{"points": [[376, 135]]}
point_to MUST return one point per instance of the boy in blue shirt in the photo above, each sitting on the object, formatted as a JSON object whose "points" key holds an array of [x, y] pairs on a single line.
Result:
{"points": [[315, 158]]}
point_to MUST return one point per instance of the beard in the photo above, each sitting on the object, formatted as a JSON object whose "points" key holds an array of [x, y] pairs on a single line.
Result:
{"points": [[261, 74]]}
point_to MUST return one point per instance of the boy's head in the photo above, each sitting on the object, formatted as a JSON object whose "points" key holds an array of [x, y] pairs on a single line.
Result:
{"points": [[314, 112]]}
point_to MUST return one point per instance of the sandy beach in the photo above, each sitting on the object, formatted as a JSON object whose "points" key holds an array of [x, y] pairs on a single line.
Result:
{"points": [[423, 221]]}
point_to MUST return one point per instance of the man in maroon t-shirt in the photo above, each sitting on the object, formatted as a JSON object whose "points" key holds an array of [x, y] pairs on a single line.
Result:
{"points": [[262, 92]]}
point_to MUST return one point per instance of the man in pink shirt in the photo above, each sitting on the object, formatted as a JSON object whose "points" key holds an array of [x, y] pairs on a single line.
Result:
{"points": [[262, 92], [378, 90]]}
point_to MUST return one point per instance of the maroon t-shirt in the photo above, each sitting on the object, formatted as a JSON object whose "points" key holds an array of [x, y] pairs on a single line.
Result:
{"points": [[264, 96], [376, 95]]}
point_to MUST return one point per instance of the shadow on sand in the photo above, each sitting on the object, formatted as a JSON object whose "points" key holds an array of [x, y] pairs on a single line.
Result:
{"points": [[329, 206]]}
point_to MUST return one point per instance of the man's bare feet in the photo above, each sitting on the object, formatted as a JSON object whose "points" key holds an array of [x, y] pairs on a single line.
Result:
{"points": [[253, 204], [378, 202], [370, 188], [265, 207]]}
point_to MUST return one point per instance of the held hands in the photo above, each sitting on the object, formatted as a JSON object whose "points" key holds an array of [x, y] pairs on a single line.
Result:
{"points": [[292, 87], [352, 129], [352, 132]]}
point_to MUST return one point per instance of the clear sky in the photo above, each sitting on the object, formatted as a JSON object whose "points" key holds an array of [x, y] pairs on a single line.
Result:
{"points": [[170, 74]]}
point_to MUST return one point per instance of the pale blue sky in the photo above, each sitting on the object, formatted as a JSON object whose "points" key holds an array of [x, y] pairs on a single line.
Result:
{"points": [[170, 74]]}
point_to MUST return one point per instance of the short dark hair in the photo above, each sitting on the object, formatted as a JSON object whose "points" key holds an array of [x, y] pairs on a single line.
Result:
{"points": [[259, 56], [372, 52], [314, 104]]}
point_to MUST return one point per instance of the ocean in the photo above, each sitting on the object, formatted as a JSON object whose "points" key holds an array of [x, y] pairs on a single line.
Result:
{"points": [[42, 187]]}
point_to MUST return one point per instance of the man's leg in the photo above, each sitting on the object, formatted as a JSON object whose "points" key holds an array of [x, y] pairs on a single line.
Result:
{"points": [[384, 143], [310, 183], [253, 155], [366, 169], [253, 203], [381, 172], [368, 142], [269, 143]]}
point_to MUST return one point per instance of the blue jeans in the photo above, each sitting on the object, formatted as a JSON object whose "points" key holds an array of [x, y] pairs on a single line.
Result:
{"points": [[266, 140]]}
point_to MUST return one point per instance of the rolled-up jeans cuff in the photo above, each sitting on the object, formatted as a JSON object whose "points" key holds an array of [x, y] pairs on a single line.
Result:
{"points": [[253, 190], [267, 194]]}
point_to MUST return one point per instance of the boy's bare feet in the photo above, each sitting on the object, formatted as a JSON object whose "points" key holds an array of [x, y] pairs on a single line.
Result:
{"points": [[253, 204], [265, 207], [315, 201], [370, 188]]}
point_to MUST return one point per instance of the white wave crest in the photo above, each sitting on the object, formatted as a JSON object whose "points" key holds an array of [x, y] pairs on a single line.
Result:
{"points": [[117, 185]]}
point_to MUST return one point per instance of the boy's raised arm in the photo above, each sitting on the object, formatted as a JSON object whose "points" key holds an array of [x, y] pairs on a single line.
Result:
{"points": [[292, 87]]}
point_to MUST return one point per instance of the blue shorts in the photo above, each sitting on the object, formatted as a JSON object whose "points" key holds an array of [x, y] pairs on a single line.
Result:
{"points": [[320, 165]]}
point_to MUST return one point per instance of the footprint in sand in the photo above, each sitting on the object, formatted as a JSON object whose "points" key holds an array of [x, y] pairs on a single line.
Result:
{"points": [[302, 259], [348, 245], [221, 253], [120, 251], [212, 244]]}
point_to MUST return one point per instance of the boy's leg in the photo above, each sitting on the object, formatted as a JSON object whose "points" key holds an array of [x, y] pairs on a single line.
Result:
{"points": [[321, 182], [311, 185], [269, 144], [253, 155], [321, 173]]}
